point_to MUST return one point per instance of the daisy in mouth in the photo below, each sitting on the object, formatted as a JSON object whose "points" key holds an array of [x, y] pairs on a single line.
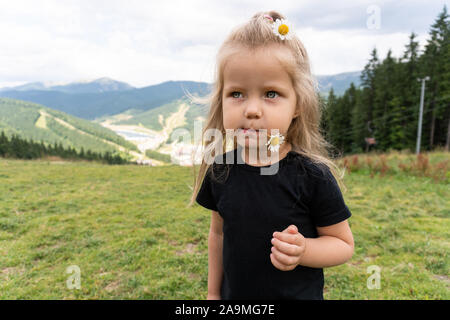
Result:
{"points": [[274, 142]]}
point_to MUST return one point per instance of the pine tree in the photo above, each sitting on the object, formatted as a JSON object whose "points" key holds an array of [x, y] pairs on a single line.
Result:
{"points": [[4, 144], [325, 119], [368, 81], [410, 93], [358, 123], [386, 84]]}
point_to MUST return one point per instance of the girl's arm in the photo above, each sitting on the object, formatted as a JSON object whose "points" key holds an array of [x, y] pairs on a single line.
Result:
{"points": [[215, 268], [333, 247]]}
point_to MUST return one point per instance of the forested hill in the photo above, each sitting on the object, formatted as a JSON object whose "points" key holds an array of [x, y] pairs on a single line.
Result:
{"points": [[37, 122], [386, 105]]}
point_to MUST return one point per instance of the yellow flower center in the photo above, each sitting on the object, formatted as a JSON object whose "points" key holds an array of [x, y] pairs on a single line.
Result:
{"points": [[283, 29], [275, 141]]}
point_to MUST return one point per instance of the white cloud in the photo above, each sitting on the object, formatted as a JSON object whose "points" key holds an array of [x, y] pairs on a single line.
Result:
{"points": [[339, 51], [148, 42]]}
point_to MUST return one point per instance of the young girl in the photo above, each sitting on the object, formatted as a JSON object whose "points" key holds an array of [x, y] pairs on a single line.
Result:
{"points": [[271, 235]]}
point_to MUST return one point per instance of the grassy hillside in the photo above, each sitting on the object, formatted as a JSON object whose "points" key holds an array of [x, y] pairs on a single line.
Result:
{"points": [[37, 122], [128, 230], [149, 119], [155, 119], [165, 120]]}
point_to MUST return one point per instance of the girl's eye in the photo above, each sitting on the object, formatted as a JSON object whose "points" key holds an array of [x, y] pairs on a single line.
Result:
{"points": [[271, 94], [234, 95]]}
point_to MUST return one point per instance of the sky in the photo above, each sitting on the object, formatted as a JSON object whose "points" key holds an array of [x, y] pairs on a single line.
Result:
{"points": [[148, 42]]}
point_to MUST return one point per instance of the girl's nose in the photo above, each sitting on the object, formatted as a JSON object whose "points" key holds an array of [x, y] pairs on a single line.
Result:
{"points": [[252, 110]]}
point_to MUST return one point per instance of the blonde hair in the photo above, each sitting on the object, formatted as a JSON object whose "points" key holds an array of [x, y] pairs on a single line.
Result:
{"points": [[304, 130]]}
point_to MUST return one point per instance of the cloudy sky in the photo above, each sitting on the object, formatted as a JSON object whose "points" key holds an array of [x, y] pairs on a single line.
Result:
{"points": [[149, 42]]}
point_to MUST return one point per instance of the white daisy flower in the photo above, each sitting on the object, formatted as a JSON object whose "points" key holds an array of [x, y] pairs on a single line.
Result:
{"points": [[283, 29], [274, 142]]}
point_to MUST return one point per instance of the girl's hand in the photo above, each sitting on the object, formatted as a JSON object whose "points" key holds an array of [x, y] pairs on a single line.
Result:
{"points": [[288, 248]]}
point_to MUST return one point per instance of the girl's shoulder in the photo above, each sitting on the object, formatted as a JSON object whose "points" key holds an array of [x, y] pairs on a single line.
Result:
{"points": [[307, 165]]}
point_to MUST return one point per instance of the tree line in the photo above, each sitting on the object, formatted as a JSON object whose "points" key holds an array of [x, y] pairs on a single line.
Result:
{"points": [[383, 112], [16, 147]]}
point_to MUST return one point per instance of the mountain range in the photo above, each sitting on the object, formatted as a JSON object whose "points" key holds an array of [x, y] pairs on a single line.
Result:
{"points": [[106, 97], [99, 85], [106, 115]]}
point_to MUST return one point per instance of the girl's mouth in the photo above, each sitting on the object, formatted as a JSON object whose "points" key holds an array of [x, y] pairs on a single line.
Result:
{"points": [[248, 130]]}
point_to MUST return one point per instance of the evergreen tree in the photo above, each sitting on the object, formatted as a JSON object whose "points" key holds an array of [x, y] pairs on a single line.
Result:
{"points": [[4, 144], [368, 81], [386, 83], [324, 123], [436, 60], [410, 93]]}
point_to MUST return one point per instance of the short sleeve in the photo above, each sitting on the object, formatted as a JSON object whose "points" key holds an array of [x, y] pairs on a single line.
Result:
{"points": [[205, 196], [327, 206]]}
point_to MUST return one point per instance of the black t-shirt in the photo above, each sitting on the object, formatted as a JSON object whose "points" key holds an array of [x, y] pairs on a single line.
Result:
{"points": [[253, 206]]}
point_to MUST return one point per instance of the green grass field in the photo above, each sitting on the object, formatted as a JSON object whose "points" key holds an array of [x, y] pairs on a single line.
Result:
{"points": [[129, 231]]}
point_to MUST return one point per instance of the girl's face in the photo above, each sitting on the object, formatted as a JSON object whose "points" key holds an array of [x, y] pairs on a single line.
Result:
{"points": [[257, 94]]}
